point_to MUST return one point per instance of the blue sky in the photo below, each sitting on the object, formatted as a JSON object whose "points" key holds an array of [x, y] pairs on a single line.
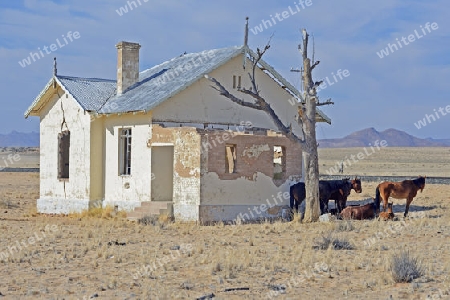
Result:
{"points": [[395, 91]]}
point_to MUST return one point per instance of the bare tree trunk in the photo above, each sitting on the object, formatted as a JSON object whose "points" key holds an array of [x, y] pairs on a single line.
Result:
{"points": [[307, 113], [310, 156]]}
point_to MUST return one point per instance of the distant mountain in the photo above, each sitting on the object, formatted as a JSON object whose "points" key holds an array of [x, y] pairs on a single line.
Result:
{"points": [[393, 137], [19, 139], [443, 141], [362, 138]]}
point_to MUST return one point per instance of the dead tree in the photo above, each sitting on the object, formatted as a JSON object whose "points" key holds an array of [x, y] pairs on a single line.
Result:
{"points": [[307, 117]]}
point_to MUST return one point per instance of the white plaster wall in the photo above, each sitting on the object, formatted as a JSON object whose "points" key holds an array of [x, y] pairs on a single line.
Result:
{"points": [[201, 103], [139, 182], [242, 191], [243, 198], [186, 175], [75, 191]]}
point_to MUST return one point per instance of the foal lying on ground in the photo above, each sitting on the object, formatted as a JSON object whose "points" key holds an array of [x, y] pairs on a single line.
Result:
{"points": [[363, 212], [387, 215]]}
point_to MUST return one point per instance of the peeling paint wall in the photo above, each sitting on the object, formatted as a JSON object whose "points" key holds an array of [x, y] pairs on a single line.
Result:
{"points": [[201, 187], [225, 195], [63, 113], [202, 104], [186, 175]]}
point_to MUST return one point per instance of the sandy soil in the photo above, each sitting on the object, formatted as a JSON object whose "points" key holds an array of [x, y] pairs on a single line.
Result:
{"points": [[387, 161], [25, 158], [78, 257]]}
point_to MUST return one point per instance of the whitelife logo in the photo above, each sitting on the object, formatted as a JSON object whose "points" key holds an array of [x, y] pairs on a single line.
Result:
{"points": [[266, 24], [431, 118], [411, 38], [34, 56]]}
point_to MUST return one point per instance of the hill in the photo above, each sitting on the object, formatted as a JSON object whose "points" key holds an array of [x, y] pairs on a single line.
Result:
{"points": [[393, 137], [362, 138], [19, 139]]}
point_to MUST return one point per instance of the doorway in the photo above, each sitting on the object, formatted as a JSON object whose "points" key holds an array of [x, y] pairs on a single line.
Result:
{"points": [[162, 173]]}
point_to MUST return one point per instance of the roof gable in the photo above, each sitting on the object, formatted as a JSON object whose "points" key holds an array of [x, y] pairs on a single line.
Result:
{"points": [[156, 84], [90, 93], [168, 79]]}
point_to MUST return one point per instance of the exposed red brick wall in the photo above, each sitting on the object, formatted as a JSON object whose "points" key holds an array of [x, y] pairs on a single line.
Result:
{"points": [[254, 154]]}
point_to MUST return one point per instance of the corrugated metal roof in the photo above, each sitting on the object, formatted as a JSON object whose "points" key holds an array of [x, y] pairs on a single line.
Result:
{"points": [[155, 85], [167, 79], [91, 93]]}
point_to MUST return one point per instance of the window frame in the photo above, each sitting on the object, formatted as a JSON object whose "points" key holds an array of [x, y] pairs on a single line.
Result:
{"points": [[234, 153], [64, 155], [125, 147]]}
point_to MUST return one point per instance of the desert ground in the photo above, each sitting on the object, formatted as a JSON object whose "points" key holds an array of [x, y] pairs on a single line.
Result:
{"points": [[102, 255], [387, 161]]}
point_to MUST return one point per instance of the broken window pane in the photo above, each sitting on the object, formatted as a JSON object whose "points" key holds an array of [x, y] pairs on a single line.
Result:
{"points": [[230, 158], [63, 154], [279, 162]]}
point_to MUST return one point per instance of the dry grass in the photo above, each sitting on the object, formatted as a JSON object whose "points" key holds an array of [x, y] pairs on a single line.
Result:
{"points": [[107, 212], [99, 253]]}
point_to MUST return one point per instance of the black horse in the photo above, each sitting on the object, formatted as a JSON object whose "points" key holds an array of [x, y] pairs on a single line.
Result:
{"points": [[340, 197], [326, 189]]}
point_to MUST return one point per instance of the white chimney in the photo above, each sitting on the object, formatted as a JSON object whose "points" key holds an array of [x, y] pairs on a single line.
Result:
{"points": [[127, 65]]}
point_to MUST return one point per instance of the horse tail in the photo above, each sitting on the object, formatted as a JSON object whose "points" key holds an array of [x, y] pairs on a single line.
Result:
{"points": [[291, 198], [377, 197]]}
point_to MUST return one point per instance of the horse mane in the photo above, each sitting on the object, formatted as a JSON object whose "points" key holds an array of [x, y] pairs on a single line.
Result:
{"points": [[339, 183], [419, 181]]}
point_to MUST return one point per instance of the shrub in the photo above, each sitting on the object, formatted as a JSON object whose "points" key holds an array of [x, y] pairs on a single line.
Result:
{"points": [[344, 226], [149, 220], [405, 268], [333, 242]]}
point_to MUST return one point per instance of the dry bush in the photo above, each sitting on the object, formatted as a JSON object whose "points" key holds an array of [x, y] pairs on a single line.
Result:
{"points": [[160, 221], [335, 243], [148, 220], [31, 212], [344, 226], [405, 268], [100, 213], [5, 204]]}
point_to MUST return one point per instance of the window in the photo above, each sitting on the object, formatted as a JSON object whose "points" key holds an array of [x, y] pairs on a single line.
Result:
{"points": [[230, 159], [125, 151], [236, 82], [63, 154], [279, 162]]}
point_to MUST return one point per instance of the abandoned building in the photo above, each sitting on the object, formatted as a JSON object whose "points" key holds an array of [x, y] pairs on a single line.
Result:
{"points": [[164, 140]]}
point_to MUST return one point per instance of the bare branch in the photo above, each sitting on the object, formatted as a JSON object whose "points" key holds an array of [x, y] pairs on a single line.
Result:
{"points": [[328, 102], [223, 91], [255, 62], [305, 44], [317, 83], [315, 64], [260, 104]]}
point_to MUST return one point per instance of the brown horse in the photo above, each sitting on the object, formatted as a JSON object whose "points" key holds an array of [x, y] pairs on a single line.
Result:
{"points": [[387, 215], [363, 212], [399, 190]]}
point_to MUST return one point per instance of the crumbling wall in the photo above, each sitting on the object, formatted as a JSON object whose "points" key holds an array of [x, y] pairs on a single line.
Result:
{"points": [[254, 183], [186, 179], [62, 113]]}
